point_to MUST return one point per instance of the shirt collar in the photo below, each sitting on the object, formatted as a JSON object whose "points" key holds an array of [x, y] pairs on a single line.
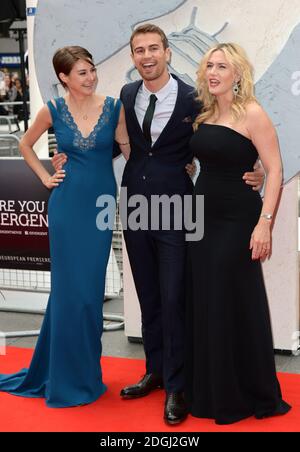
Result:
{"points": [[161, 95]]}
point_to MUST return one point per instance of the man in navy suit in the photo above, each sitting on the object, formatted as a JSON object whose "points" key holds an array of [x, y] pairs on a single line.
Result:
{"points": [[157, 167]]}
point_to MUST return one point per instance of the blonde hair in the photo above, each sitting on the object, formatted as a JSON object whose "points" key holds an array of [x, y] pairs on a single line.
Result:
{"points": [[236, 57]]}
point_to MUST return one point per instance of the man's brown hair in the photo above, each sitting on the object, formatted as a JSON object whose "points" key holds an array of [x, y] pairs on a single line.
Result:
{"points": [[149, 28], [65, 58]]}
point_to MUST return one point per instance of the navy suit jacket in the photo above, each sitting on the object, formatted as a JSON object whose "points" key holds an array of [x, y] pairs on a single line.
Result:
{"points": [[160, 169]]}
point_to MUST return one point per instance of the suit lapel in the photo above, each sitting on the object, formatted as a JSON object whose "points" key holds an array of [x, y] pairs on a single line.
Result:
{"points": [[131, 110]]}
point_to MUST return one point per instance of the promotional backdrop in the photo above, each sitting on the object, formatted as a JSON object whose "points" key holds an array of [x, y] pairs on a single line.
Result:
{"points": [[23, 217]]}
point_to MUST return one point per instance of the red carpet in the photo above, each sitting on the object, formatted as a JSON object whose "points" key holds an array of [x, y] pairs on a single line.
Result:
{"points": [[111, 414]]}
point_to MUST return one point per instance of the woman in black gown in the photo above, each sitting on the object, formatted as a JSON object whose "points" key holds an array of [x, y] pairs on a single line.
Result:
{"points": [[230, 363]]}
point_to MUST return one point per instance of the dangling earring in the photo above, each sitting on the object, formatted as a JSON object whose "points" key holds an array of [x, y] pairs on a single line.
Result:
{"points": [[235, 88]]}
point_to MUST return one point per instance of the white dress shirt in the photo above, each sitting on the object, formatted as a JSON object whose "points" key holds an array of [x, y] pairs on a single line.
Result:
{"points": [[164, 107]]}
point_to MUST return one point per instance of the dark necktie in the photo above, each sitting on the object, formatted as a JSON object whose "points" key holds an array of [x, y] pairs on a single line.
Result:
{"points": [[148, 118]]}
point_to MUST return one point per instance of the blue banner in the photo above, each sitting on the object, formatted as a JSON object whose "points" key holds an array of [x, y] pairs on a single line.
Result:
{"points": [[10, 60], [31, 11]]}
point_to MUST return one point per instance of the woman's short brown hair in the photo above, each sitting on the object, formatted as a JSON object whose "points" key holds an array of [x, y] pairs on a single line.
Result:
{"points": [[65, 58], [149, 28]]}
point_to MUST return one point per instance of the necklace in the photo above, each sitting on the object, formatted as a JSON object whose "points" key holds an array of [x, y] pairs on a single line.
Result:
{"points": [[80, 114], [84, 116]]}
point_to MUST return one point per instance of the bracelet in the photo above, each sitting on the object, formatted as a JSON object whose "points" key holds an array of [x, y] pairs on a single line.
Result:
{"points": [[267, 216], [123, 144]]}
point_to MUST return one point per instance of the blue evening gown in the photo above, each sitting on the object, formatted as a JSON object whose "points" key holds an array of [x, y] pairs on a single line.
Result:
{"points": [[65, 368]]}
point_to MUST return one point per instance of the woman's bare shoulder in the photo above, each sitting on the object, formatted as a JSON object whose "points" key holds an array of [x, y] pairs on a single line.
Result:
{"points": [[255, 113]]}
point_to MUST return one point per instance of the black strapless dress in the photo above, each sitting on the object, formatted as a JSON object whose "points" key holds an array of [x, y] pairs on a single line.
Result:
{"points": [[230, 366]]}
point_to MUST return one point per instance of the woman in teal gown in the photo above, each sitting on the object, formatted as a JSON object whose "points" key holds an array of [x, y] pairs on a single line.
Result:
{"points": [[65, 368]]}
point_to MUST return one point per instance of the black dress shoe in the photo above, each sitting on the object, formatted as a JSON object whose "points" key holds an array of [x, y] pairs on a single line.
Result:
{"points": [[175, 408], [143, 387]]}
